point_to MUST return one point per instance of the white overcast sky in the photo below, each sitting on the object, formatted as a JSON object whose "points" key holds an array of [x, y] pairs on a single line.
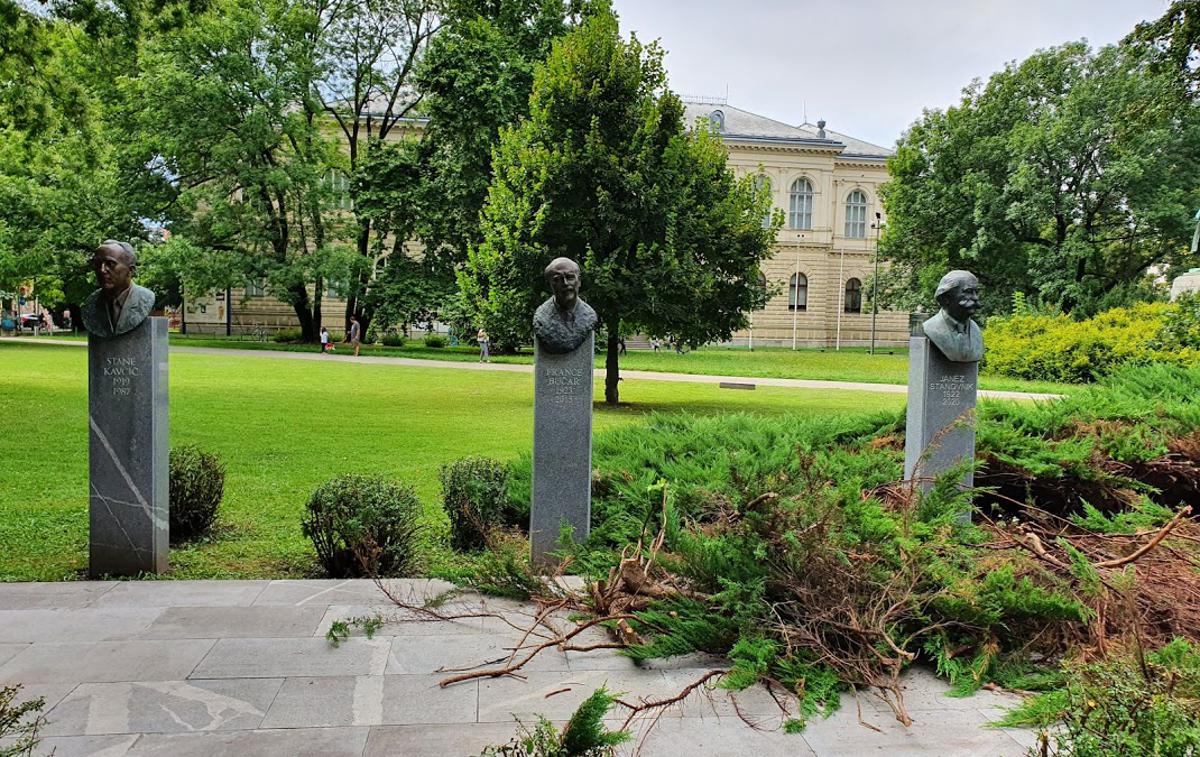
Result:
{"points": [[868, 67]]}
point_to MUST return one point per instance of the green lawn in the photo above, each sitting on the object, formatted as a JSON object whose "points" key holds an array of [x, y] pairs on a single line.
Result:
{"points": [[283, 427], [887, 366]]}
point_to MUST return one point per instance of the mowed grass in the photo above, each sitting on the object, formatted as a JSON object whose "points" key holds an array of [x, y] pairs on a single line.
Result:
{"points": [[889, 365], [283, 427]]}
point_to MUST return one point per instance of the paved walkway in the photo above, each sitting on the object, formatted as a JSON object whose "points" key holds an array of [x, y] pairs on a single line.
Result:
{"points": [[183, 668], [853, 386]]}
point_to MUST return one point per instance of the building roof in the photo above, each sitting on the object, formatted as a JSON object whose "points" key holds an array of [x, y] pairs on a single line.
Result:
{"points": [[744, 125]]}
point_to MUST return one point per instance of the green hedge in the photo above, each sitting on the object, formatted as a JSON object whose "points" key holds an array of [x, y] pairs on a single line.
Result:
{"points": [[1058, 348]]}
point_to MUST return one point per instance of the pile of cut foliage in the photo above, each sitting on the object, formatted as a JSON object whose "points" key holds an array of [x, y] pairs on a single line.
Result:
{"points": [[794, 547]]}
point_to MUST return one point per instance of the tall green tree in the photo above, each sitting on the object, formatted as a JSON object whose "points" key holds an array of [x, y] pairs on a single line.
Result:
{"points": [[1172, 43], [474, 80], [369, 51], [230, 122], [60, 188], [605, 172], [1063, 177]]}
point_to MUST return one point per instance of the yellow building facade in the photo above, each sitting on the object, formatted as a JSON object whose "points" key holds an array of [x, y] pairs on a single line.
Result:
{"points": [[826, 184]]}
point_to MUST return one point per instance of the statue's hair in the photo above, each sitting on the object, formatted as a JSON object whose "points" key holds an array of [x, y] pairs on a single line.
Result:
{"points": [[556, 261], [954, 280], [124, 247]]}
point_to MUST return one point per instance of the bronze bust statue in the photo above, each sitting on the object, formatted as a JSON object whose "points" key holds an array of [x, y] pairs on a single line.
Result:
{"points": [[952, 330], [119, 305], [563, 322]]}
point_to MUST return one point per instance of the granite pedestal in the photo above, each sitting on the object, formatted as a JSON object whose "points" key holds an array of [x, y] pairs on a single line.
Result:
{"points": [[1185, 283], [562, 447], [127, 451], [941, 413]]}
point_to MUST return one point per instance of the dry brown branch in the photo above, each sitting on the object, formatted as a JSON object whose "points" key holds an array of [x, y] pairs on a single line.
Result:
{"points": [[1162, 533], [660, 704], [513, 667]]}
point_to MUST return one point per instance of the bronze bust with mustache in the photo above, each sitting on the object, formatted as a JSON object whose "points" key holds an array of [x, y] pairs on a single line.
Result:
{"points": [[563, 322], [118, 306], [953, 332]]}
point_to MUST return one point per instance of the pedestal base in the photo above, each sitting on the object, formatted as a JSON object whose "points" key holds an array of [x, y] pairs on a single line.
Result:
{"points": [[128, 474], [940, 428], [562, 448]]}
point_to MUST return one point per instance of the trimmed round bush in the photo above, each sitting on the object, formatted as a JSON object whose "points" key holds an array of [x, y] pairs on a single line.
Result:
{"points": [[363, 526], [197, 484], [435, 340], [394, 340], [473, 493]]}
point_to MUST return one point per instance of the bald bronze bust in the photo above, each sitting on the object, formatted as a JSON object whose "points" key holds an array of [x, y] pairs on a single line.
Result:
{"points": [[562, 323], [118, 306], [952, 331]]}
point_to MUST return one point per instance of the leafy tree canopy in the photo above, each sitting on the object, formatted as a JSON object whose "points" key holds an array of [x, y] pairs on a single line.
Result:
{"points": [[603, 171], [1063, 177]]}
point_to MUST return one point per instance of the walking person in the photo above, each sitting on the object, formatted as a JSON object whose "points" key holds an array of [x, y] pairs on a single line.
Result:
{"points": [[48, 322], [654, 345], [355, 334], [482, 337], [621, 346], [324, 340]]}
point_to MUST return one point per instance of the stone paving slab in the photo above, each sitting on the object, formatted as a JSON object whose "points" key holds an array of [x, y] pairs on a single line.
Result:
{"points": [[89, 746], [233, 622], [395, 622], [164, 707], [242, 668], [45, 595], [105, 661], [287, 742], [436, 740], [372, 700], [355, 591], [85, 624], [281, 658], [181, 594]]}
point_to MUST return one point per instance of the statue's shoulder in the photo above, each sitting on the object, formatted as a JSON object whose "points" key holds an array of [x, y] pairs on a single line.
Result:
{"points": [[936, 324], [141, 297], [585, 314]]}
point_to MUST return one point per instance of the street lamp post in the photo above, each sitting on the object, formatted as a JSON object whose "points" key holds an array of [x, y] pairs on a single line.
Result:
{"points": [[875, 281]]}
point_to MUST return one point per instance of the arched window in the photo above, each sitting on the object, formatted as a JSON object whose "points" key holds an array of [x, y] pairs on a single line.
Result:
{"points": [[853, 301], [762, 183], [717, 118], [856, 215], [800, 211], [798, 292]]}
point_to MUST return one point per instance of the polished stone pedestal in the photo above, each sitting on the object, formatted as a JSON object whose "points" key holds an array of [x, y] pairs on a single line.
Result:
{"points": [[940, 430], [127, 451], [562, 447]]}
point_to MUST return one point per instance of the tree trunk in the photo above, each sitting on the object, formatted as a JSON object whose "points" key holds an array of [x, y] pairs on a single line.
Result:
{"points": [[308, 332], [316, 307], [612, 371], [355, 304]]}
